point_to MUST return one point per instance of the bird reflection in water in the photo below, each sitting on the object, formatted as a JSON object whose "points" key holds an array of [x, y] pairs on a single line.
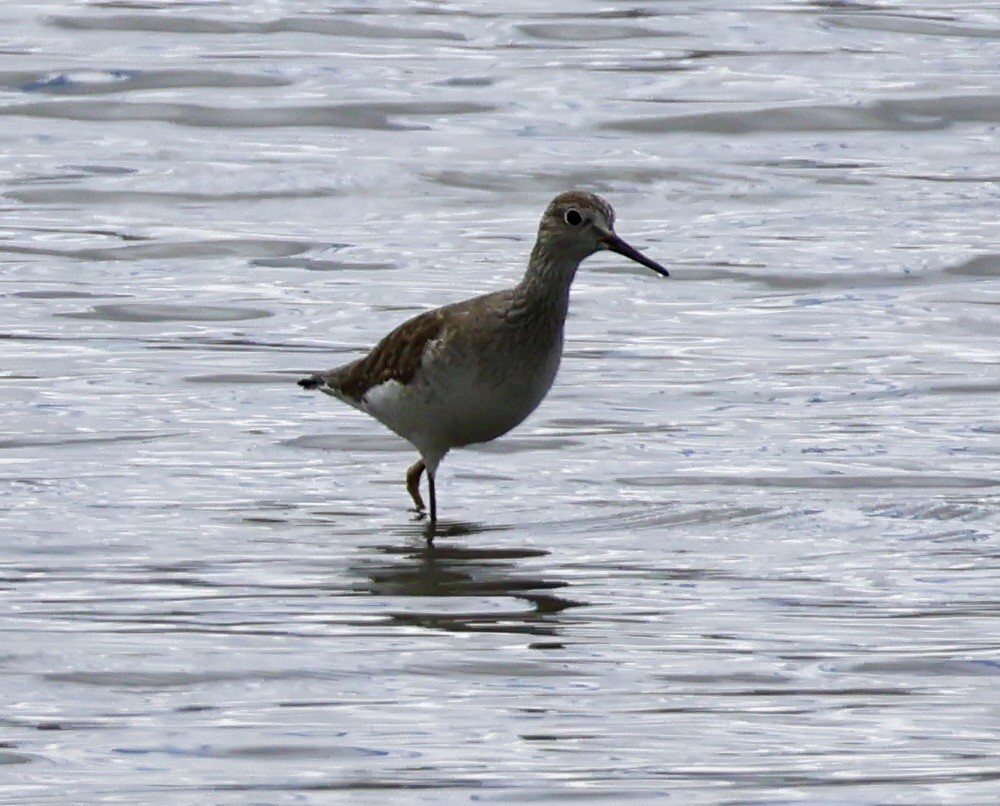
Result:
{"points": [[446, 580]]}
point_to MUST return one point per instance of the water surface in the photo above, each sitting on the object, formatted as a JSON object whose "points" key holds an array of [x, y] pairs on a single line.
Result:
{"points": [[745, 552]]}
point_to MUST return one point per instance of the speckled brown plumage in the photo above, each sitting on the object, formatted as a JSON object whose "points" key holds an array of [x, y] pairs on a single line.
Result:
{"points": [[394, 358]]}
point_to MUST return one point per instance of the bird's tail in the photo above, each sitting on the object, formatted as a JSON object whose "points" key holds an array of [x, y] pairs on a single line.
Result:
{"points": [[312, 382]]}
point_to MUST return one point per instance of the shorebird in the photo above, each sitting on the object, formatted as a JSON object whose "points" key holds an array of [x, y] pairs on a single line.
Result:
{"points": [[471, 371]]}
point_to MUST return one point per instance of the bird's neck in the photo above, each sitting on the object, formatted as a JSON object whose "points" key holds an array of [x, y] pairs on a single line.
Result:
{"points": [[545, 286]]}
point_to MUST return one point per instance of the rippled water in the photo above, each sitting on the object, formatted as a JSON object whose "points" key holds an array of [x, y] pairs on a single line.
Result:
{"points": [[746, 552]]}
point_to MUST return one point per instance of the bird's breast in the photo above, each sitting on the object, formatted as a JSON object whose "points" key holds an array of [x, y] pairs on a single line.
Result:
{"points": [[469, 396]]}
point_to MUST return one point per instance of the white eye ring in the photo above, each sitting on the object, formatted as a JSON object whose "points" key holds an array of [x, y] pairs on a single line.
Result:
{"points": [[573, 217]]}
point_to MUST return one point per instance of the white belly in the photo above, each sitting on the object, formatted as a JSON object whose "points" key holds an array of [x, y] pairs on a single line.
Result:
{"points": [[462, 404]]}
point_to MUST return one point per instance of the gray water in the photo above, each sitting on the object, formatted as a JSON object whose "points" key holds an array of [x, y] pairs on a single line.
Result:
{"points": [[745, 552]]}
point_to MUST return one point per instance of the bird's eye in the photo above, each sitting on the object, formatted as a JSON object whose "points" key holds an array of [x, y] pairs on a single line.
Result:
{"points": [[573, 217]]}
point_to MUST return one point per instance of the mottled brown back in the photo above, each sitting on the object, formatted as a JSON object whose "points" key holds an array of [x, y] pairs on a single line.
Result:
{"points": [[396, 358]]}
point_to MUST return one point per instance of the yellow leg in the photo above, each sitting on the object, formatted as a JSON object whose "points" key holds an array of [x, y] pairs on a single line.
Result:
{"points": [[413, 484]]}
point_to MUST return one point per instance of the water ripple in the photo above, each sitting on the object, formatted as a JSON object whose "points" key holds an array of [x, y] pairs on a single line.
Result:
{"points": [[900, 115], [376, 116]]}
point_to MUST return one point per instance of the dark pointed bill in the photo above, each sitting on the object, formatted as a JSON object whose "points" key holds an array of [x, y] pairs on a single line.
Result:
{"points": [[616, 244]]}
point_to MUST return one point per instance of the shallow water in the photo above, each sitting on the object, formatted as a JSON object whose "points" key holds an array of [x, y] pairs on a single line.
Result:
{"points": [[745, 552]]}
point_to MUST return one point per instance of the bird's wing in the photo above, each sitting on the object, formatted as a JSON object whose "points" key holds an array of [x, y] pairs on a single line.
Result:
{"points": [[396, 358]]}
